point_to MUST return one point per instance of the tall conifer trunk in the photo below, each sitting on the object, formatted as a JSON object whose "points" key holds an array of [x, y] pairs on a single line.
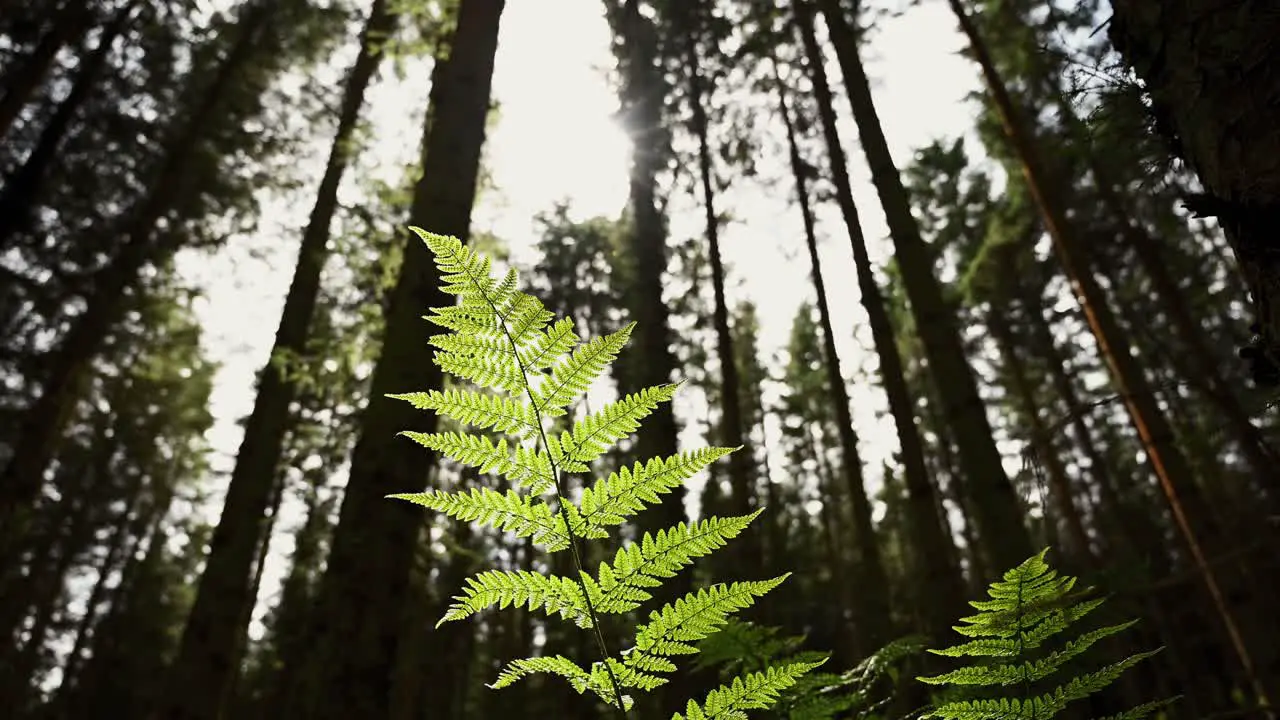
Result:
{"points": [[945, 586], [42, 424], [1212, 71], [22, 189], [362, 596], [207, 656], [747, 547], [1001, 531], [22, 81]]}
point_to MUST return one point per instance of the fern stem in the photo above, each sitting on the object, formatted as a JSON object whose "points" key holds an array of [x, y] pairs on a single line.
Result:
{"points": [[561, 499], [1026, 680]]}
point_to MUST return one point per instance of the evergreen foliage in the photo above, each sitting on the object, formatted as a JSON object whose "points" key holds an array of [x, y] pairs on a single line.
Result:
{"points": [[1028, 608], [507, 341]]}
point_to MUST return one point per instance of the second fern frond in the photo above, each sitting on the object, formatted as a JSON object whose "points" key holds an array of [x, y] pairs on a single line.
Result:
{"points": [[1029, 606]]}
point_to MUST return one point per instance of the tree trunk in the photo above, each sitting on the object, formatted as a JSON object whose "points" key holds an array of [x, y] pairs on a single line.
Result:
{"points": [[1212, 71], [231, 689], [642, 103], [731, 424], [843, 577], [292, 616], [206, 661], [42, 424], [649, 360], [1207, 375], [1004, 537], [23, 81], [1064, 505], [360, 605], [1168, 462], [928, 547], [125, 538]]}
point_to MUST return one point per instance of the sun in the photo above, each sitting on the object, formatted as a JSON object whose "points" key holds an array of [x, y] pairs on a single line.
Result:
{"points": [[555, 137]]}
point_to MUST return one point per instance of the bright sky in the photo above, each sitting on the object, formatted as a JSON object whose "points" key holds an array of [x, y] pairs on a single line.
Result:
{"points": [[555, 139]]}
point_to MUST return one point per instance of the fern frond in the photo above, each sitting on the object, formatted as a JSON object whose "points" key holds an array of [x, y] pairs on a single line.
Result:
{"points": [[505, 340], [519, 514], [640, 565], [1029, 605], [754, 691], [597, 681], [548, 593], [1142, 711], [571, 377], [554, 664], [594, 434], [673, 629], [611, 500], [997, 709], [558, 340], [1090, 683], [527, 467], [477, 409], [1029, 671], [485, 361], [1056, 622]]}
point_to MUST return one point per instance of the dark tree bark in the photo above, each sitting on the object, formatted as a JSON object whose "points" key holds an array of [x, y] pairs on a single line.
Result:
{"points": [[649, 360], [24, 80], [870, 594], [1186, 501], [1004, 537], [731, 424], [22, 188], [42, 424], [207, 658], [366, 583], [945, 594], [1212, 71]]}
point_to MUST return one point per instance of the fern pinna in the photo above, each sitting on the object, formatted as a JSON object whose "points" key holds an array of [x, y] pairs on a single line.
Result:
{"points": [[535, 366], [1031, 605]]}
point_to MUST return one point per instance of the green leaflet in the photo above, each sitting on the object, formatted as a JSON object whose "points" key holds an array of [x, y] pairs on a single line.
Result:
{"points": [[754, 691], [1031, 604], [527, 367]]}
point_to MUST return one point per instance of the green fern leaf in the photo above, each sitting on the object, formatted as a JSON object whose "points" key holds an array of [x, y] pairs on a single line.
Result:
{"points": [[527, 367], [571, 377], [511, 511], [477, 409], [673, 629], [527, 467], [611, 500], [754, 691], [547, 593], [594, 434], [549, 346], [596, 681], [1029, 605]]}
